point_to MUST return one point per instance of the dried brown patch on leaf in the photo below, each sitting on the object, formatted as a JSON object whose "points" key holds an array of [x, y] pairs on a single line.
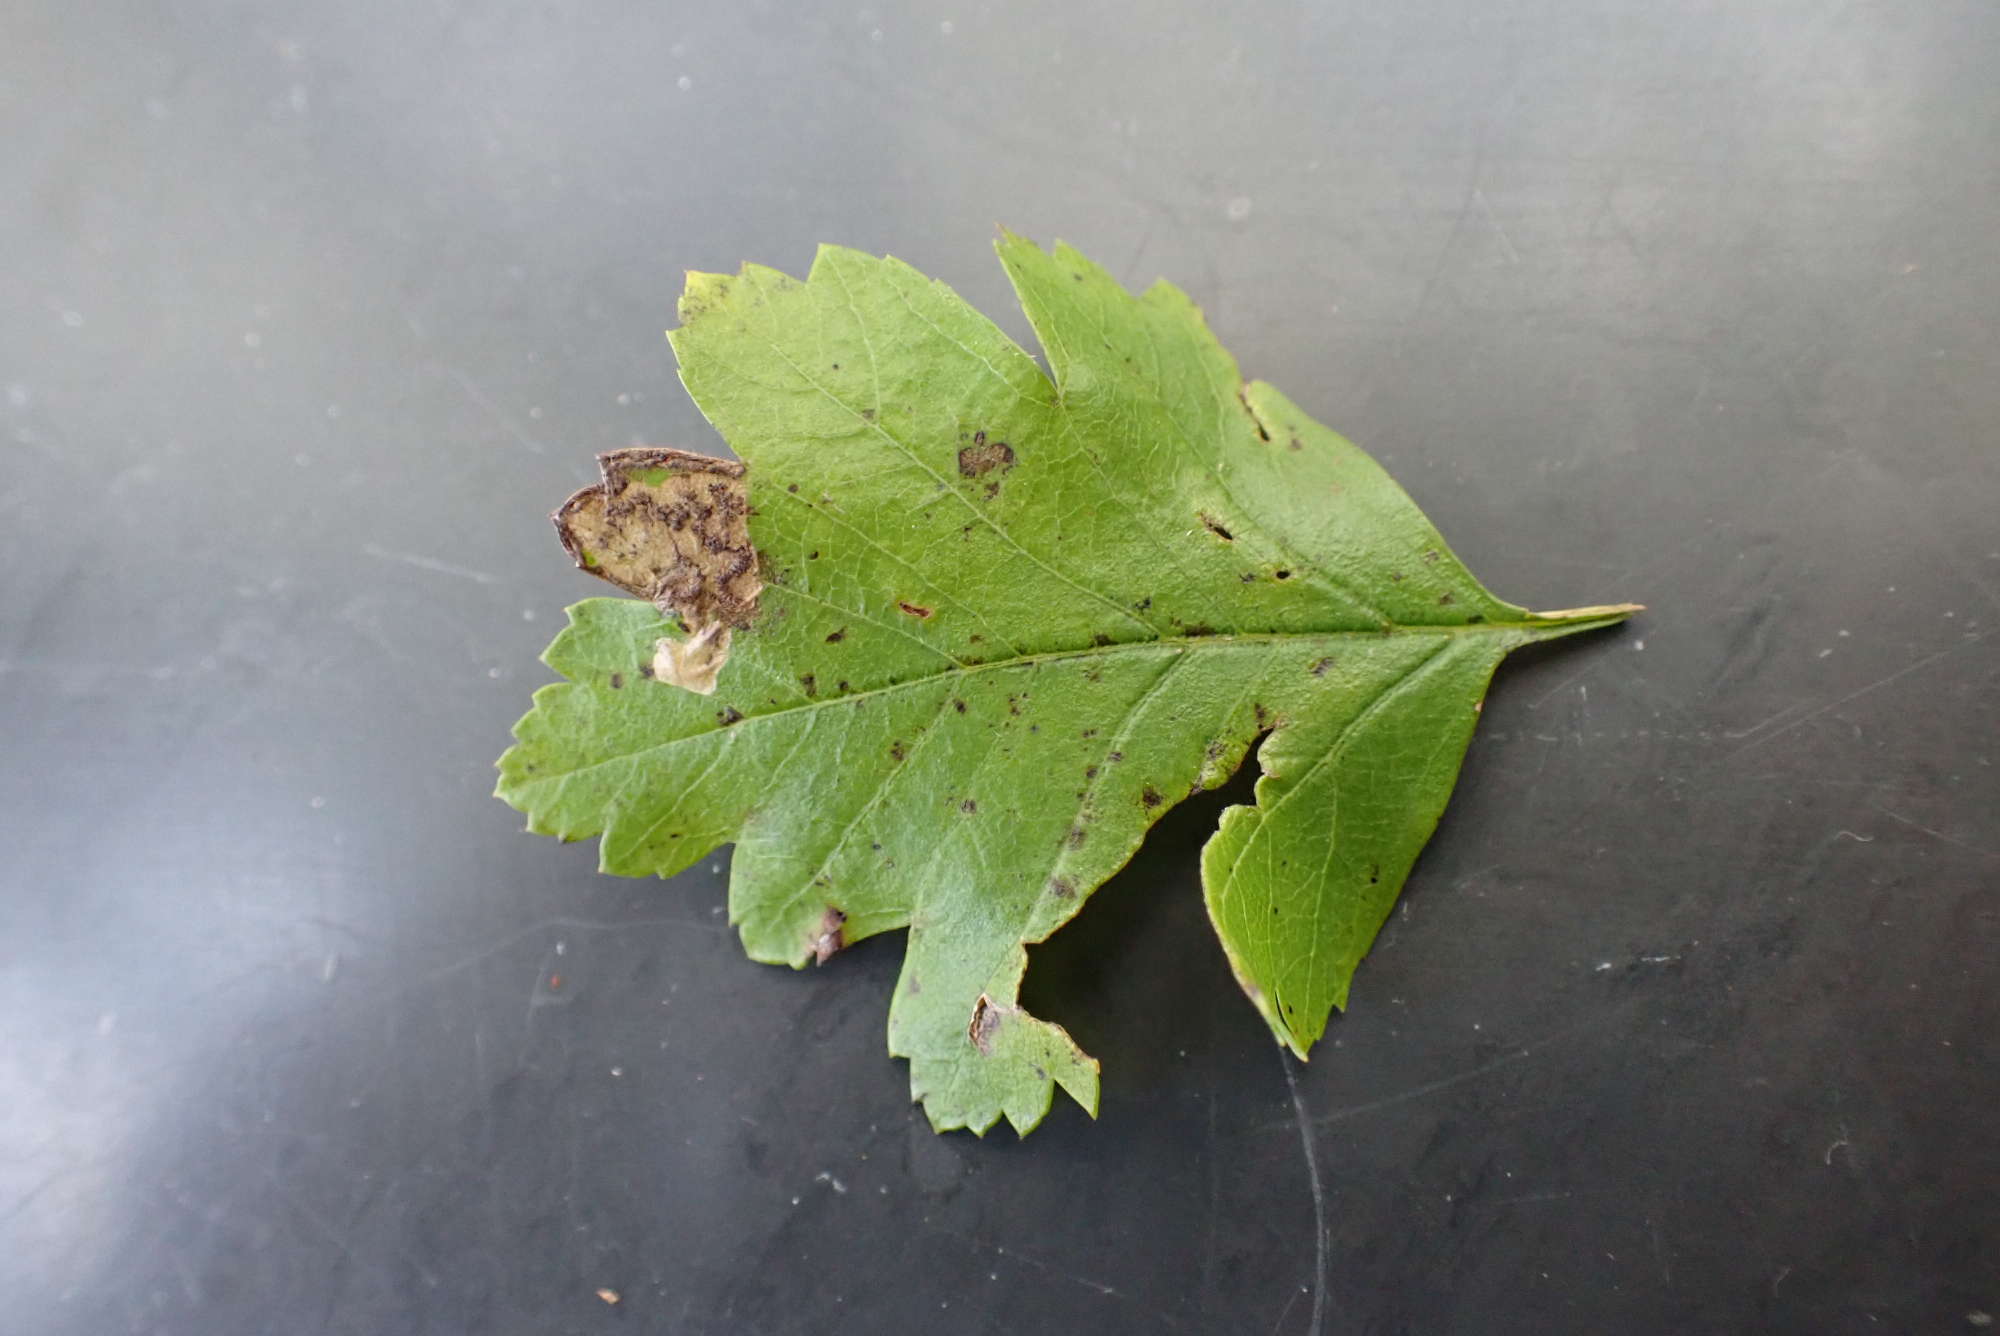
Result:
{"points": [[983, 456], [672, 527]]}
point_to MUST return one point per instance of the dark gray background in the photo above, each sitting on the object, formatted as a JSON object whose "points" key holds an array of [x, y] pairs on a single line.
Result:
{"points": [[310, 312]]}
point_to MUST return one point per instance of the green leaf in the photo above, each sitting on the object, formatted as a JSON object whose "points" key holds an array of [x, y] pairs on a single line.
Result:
{"points": [[1005, 622]]}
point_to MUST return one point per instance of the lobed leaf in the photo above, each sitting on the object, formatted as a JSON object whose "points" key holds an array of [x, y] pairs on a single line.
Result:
{"points": [[1006, 621]]}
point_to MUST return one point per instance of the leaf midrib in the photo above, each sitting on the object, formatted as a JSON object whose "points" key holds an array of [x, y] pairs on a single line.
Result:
{"points": [[959, 671]]}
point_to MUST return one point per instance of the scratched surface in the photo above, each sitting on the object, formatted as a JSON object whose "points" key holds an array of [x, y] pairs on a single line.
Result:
{"points": [[1688, 1021]]}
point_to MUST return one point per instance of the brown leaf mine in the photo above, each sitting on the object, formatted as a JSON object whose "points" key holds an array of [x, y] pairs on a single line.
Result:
{"points": [[693, 663], [985, 1023], [672, 527], [829, 938]]}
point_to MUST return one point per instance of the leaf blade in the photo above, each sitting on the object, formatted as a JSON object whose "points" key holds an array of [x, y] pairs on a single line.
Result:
{"points": [[1006, 623]]}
